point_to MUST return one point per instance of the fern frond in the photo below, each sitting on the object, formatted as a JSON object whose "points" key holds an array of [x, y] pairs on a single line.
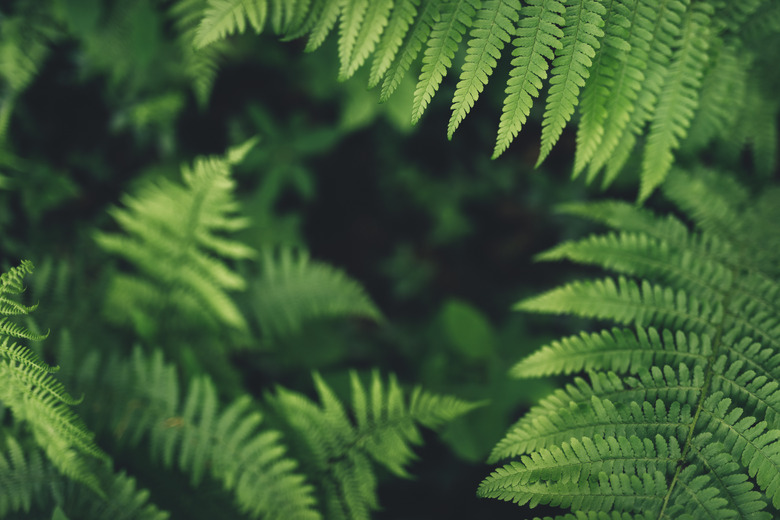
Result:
{"points": [[22, 477], [456, 18], [627, 302], [710, 379], [571, 67], [340, 450], [352, 16], [401, 18], [417, 35], [539, 36], [678, 100], [603, 78], [293, 289], [200, 65], [225, 17], [175, 235], [376, 18], [189, 428], [658, 25], [326, 21], [494, 26], [37, 399]]}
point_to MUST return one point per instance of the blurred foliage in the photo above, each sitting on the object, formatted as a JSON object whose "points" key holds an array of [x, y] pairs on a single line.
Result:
{"points": [[101, 100]]}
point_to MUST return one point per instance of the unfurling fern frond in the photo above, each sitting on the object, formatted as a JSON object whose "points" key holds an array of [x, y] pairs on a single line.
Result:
{"points": [[176, 237], [339, 445], [188, 428], [36, 398], [629, 67], [293, 289], [680, 415]]}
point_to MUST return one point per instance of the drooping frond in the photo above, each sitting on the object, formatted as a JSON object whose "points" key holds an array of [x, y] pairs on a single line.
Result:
{"points": [[700, 371], [293, 289], [416, 37], [571, 67], [199, 64], [456, 18], [631, 67], [36, 398], [225, 17], [678, 99], [539, 36], [176, 237], [494, 26], [188, 428], [340, 445]]}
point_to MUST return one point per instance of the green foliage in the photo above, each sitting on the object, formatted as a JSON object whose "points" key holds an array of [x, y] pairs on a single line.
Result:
{"points": [[339, 447], [631, 66], [679, 415], [175, 237], [36, 398], [292, 290]]}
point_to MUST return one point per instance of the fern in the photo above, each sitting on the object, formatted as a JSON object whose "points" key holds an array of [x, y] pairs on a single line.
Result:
{"points": [[174, 237], [292, 289], [630, 66], [35, 397], [456, 18], [339, 449], [493, 28], [680, 414], [188, 428]]}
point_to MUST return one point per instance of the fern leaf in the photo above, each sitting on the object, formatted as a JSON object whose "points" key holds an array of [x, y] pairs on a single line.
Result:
{"points": [[172, 231], [340, 451], [417, 36], [627, 302], [376, 18], [539, 36], [708, 380], [324, 24], [456, 18], [352, 17], [602, 79], [22, 477], [401, 18], [35, 397], [193, 430], [494, 26], [677, 101], [225, 17], [657, 27], [619, 350], [293, 289], [571, 66]]}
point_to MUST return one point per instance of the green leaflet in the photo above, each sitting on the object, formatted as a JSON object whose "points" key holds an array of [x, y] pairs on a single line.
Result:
{"points": [[688, 401], [630, 67]]}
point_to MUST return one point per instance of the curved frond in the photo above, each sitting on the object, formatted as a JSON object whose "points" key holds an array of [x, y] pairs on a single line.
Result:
{"points": [[494, 26], [582, 35], [456, 18], [293, 289]]}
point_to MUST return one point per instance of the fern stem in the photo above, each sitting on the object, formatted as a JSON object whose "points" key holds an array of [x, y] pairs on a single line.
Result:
{"points": [[717, 343]]}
